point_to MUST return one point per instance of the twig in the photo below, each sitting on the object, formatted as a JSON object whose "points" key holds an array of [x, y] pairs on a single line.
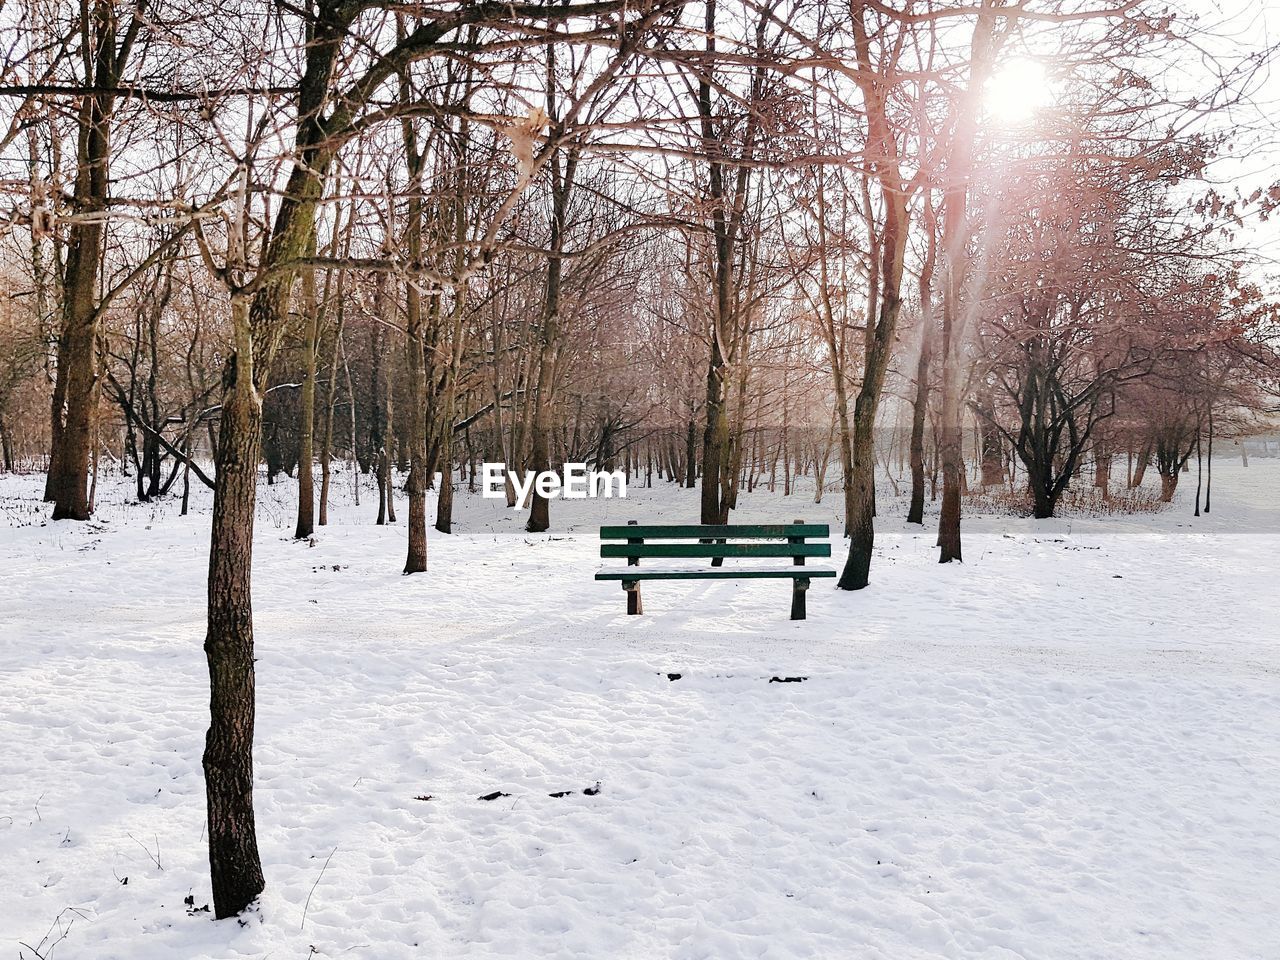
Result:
{"points": [[307, 905], [155, 858], [64, 932]]}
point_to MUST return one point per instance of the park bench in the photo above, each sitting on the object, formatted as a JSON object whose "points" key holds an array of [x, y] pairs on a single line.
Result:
{"points": [[790, 540]]}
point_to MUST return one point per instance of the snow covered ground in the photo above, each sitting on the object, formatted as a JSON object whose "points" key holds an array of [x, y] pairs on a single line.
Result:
{"points": [[1068, 747]]}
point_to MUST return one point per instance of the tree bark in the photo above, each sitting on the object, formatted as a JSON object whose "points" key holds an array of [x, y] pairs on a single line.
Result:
{"points": [[540, 452], [919, 412], [884, 153], [75, 401], [234, 865], [258, 327], [861, 520], [415, 355], [920, 406], [991, 452], [307, 417]]}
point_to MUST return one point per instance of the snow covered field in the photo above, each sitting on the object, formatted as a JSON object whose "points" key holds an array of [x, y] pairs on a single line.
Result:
{"points": [[1068, 747]]}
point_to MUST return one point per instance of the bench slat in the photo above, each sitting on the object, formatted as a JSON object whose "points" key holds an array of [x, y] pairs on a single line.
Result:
{"points": [[715, 549], [728, 531], [789, 573]]}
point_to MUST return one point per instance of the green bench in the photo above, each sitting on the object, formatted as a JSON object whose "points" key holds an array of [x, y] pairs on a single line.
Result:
{"points": [[716, 542]]}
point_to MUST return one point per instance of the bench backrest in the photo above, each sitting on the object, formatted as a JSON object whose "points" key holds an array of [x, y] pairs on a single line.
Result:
{"points": [[714, 541]]}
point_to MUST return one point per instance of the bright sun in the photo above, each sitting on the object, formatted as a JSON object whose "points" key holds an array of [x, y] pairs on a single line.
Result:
{"points": [[1017, 91]]}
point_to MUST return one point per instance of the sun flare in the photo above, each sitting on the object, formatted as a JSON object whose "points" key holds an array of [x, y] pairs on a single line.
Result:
{"points": [[1017, 91]]}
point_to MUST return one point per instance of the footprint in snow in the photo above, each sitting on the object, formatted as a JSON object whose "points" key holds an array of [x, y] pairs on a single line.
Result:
{"points": [[588, 792]]}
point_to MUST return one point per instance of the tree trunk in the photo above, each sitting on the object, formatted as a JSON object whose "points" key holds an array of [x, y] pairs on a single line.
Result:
{"points": [[1043, 503], [326, 442], [691, 455], [75, 406], [714, 438], [6, 446], [992, 453], [951, 451], [228, 756], [1144, 458], [235, 867], [1199, 471], [861, 519], [915, 512], [444, 497], [416, 486], [540, 452], [958, 262], [415, 348], [1102, 470], [1208, 479], [307, 416]]}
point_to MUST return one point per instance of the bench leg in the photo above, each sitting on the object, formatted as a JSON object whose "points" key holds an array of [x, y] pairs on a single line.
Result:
{"points": [[635, 606], [798, 588]]}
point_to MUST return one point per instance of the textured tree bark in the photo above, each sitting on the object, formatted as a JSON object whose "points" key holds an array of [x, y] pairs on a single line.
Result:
{"points": [[1140, 471], [958, 263], [690, 456], [837, 354], [234, 865], [730, 478], [1208, 478], [1102, 471], [919, 411], [57, 417], [307, 417], [714, 438], [388, 461], [70, 465], [951, 439], [416, 485], [887, 304], [989, 440], [951, 450], [381, 426], [444, 498], [861, 519], [75, 405], [6, 446], [415, 355], [1199, 473], [846, 447], [447, 415], [326, 443], [920, 405], [726, 201], [331, 398], [76, 388], [1043, 499], [540, 450]]}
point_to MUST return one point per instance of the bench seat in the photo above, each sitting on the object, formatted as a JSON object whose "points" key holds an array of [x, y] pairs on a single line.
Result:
{"points": [[795, 573], [717, 543]]}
